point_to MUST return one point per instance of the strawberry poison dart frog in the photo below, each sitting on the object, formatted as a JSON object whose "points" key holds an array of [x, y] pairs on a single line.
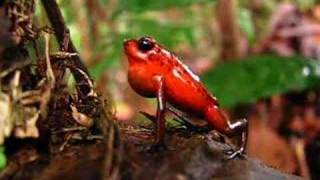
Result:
{"points": [[156, 72]]}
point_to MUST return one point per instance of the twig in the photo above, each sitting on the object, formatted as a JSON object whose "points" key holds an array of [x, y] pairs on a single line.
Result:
{"points": [[48, 62], [62, 34]]}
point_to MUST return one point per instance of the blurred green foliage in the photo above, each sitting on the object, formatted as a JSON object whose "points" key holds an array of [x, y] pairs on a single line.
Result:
{"points": [[136, 18], [239, 82], [246, 24], [252, 78], [305, 4], [3, 159], [140, 26], [144, 5]]}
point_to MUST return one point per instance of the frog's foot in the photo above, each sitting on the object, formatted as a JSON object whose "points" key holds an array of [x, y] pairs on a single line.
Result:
{"points": [[231, 154]]}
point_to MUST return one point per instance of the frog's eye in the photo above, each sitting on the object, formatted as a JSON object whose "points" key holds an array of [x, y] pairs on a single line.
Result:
{"points": [[145, 44]]}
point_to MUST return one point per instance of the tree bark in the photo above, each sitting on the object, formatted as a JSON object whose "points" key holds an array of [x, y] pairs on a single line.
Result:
{"points": [[229, 29]]}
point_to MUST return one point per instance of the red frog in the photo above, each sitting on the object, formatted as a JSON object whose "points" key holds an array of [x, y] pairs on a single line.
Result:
{"points": [[156, 72]]}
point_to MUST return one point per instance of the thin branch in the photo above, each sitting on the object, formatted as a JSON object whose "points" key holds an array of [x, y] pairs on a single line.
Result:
{"points": [[63, 35]]}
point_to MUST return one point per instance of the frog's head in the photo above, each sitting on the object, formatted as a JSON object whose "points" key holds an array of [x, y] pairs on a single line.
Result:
{"points": [[141, 49]]}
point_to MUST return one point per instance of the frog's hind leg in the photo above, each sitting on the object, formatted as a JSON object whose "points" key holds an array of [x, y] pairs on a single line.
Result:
{"points": [[221, 123], [240, 126]]}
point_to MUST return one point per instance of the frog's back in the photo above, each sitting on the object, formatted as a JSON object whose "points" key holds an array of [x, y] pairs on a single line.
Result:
{"points": [[185, 91]]}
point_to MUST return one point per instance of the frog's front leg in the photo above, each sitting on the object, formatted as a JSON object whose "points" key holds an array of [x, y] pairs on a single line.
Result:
{"points": [[161, 109]]}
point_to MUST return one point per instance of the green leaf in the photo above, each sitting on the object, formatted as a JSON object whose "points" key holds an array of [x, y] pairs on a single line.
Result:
{"points": [[247, 80], [145, 5], [3, 159]]}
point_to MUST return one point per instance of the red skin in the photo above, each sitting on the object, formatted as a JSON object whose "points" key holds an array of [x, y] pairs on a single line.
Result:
{"points": [[180, 87]]}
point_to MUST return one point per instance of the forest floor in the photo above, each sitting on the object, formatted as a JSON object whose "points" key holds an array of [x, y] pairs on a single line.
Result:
{"points": [[187, 157]]}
